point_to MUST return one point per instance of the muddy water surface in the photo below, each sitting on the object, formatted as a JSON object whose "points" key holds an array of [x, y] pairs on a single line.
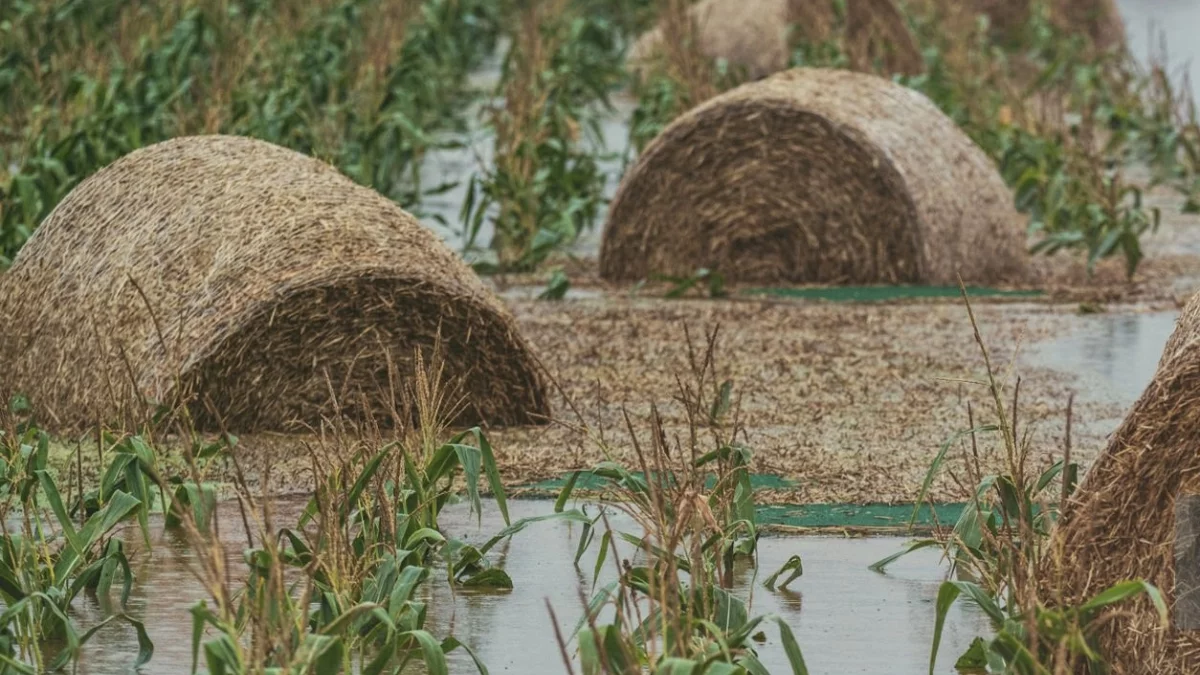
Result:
{"points": [[847, 618], [1114, 356]]}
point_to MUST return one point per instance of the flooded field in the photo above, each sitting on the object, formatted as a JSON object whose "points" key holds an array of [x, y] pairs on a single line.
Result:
{"points": [[806, 404], [848, 618], [1113, 355]]}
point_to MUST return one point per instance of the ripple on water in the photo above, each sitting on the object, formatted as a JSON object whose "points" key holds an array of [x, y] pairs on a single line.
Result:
{"points": [[846, 618]]}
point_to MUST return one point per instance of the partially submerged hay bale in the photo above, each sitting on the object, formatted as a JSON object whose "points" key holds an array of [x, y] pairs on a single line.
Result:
{"points": [[255, 285], [815, 175], [1120, 525], [756, 36], [750, 35]]}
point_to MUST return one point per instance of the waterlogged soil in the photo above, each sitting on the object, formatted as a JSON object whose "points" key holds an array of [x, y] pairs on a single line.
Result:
{"points": [[848, 401], [846, 618]]}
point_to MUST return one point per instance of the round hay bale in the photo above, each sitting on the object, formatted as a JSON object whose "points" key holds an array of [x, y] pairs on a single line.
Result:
{"points": [[815, 175], [749, 35], [257, 287], [1120, 524], [755, 36]]}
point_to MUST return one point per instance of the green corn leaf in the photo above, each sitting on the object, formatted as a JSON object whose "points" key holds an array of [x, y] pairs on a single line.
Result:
{"points": [[936, 465], [947, 594], [435, 659], [565, 494], [1124, 590], [794, 566], [881, 565]]}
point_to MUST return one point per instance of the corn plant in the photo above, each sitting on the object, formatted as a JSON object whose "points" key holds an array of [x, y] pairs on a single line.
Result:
{"points": [[47, 559], [362, 85], [997, 546], [1042, 640], [662, 623], [544, 188], [1050, 152], [696, 517], [677, 78], [337, 590]]}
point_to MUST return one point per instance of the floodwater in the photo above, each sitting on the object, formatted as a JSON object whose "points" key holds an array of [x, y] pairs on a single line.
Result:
{"points": [[1155, 25], [847, 618], [1113, 355]]}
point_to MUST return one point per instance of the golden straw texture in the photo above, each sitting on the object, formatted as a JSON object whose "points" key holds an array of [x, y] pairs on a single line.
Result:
{"points": [[815, 175], [257, 287], [1120, 525]]}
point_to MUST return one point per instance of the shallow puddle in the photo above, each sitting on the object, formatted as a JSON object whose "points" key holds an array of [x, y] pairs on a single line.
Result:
{"points": [[1113, 355], [847, 618]]}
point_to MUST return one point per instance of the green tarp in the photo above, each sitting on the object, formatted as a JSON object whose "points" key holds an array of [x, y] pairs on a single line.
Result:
{"points": [[588, 481], [868, 516], [886, 293], [825, 516]]}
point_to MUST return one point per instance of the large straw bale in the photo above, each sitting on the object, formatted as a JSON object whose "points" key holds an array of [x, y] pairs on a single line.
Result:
{"points": [[1120, 525], [756, 36], [255, 285], [815, 175]]}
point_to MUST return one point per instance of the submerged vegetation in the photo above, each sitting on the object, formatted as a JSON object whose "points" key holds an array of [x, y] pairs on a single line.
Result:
{"points": [[335, 591], [363, 85], [338, 588], [1001, 553], [372, 87]]}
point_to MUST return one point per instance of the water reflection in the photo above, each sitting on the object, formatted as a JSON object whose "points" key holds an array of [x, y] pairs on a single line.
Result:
{"points": [[847, 618], [1114, 355]]}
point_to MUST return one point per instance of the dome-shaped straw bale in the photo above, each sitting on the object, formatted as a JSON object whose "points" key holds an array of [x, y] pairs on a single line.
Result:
{"points": [[258, 287], [749, 35], [756, 36], [815, 175], [1121, 523]]}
